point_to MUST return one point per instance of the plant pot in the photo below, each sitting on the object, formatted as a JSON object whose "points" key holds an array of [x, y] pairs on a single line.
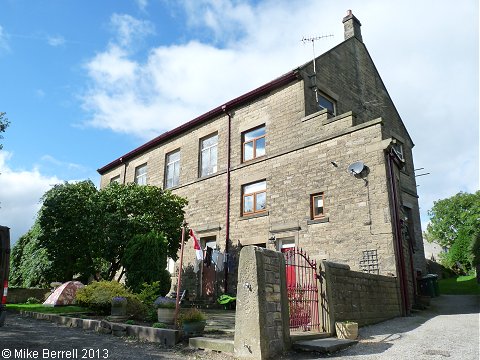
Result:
{"points": [[346, 330], [193, 328], [166, 315]]}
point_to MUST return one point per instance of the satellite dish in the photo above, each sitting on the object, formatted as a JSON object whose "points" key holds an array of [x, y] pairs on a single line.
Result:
{"points": [[356, 168]]}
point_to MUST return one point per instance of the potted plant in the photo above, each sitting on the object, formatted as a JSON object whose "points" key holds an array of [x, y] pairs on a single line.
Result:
{"points": [[165, 309], [192, 322], [119, 306], [346, 330]]}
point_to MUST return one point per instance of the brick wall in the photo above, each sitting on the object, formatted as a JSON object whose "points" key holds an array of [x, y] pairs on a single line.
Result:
{"points": [[356, 296]]}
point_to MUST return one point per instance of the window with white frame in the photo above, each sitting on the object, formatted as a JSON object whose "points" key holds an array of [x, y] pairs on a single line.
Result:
{"points": [[254, 198], [141, 174], [172, 169], [208, 155]]}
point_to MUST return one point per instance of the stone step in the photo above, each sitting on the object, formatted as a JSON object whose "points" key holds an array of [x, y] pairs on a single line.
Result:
{"points": [[326, 345], [221, 345]]}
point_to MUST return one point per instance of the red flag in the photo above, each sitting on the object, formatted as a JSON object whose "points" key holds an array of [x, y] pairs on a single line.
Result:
{"points": [[196, 246]]}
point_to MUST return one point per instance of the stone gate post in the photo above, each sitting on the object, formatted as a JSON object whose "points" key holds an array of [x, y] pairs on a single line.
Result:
{"points": [[262, 320]]}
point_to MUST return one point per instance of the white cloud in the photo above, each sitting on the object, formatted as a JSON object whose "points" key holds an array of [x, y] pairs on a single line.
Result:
{"points": [[128, 28], [142, 4], [20, 193], [4, 47], [426, 53], [56, 40]]}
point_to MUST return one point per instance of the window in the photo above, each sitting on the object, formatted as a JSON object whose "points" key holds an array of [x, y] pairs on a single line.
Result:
{"points": [[326, 103], [115, 179], [172, 169], [141, 174], [316, 206], [254, 143], [254, 198], [208, 155]]}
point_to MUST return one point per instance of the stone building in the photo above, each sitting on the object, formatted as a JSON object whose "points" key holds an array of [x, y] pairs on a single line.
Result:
{"points": [[320, 161]]}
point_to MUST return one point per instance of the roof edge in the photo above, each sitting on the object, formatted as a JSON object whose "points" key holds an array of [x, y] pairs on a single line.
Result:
{"points": [[266, 88]]}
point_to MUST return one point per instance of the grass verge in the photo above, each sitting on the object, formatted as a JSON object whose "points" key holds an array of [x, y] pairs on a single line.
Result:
{"points": [[47, 309], [462, 285]]}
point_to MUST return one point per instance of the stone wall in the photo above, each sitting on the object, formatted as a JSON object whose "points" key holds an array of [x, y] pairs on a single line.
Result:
{"points": [[361, 297], [21, 295], [261, 320]]}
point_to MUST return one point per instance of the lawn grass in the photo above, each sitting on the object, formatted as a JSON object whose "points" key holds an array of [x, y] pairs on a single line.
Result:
{"points": [[462, 285], [48, 309]]}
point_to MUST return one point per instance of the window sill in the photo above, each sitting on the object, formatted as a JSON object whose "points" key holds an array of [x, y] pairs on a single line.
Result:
{"points": [[253, 216], [318, 221]]}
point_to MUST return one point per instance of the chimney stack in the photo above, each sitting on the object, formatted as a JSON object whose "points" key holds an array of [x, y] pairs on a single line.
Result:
{"points": [[352, 26]]}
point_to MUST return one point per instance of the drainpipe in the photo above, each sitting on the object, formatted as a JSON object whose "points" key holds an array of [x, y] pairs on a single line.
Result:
{"points": [[227, 215], [124, 171], [398, 235]]}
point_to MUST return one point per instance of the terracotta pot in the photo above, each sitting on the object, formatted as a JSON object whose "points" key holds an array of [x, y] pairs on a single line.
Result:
{"points": [[346, 330], [166, 315]]}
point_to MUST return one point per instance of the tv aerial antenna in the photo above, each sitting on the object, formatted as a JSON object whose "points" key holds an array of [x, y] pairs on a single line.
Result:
{"points": [[305, 40]]}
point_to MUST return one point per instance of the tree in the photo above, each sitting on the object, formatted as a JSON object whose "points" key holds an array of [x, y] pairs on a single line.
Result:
{"points": [[453, 224], [130, 210], [3, 125], [147, 266], [69, 223], [29, 263], [81, 232]]}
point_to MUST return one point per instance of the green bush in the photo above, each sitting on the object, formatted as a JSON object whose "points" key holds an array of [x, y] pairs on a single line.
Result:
{"points": [[191, 315], [150, 292], [159, 325], [98, 296], [33, 300], [130, 322]]}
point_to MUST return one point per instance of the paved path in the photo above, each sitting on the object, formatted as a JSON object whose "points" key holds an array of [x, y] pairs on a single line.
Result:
{"points": [[448, 330]]}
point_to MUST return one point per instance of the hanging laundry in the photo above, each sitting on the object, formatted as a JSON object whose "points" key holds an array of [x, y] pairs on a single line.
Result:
{"points": [[220, 261], [208, 257], [196, 265], [215, 257]]}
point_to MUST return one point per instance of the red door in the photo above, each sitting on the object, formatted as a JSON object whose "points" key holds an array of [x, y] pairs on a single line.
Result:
{"points": [[290, 268]]}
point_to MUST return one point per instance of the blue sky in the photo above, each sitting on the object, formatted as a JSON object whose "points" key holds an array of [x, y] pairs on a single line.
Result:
{"points": [[84, 82]]}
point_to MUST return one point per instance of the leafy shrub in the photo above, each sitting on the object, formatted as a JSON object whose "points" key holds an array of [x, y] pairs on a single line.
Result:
{"points": [[130, 322], [191, 315], [147, 266], [159, 325], [33, 300], [150, 292], [98, 296]]}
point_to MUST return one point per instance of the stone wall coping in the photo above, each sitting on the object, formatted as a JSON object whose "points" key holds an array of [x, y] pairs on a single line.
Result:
{"points": [[339, 117], [335, 265]]}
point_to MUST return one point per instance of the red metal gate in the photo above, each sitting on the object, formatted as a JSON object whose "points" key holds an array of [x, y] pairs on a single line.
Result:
{"points": [[303, 281]]}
